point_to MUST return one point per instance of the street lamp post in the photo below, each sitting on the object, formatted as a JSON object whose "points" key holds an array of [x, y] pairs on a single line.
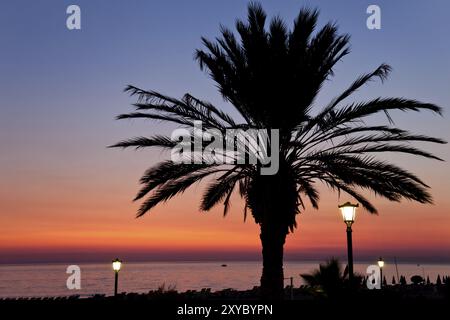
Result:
{"points": [[381, 265], [348, 212], [292, 286], [116, 264]]}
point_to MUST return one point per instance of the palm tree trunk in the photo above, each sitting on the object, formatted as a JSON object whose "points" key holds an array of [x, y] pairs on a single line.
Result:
{"points": [[272, 238]]}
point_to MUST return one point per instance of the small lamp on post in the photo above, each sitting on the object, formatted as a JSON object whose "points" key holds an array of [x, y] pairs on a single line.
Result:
{"points": [[381, 265], [348, 212], [116, 265]]}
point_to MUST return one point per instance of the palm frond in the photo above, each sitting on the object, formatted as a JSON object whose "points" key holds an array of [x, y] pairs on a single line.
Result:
{"points": [[170, 189], [389, 148], [183, 111], [161, 117], [386, 180], [310, 191], [304, 26], [333, 183], [143, 142], [360, 110], [166, 171], [381, 72], [218, 190]]}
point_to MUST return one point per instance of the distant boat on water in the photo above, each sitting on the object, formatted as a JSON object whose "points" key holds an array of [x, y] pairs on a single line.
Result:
{"points": [[224, 265]]}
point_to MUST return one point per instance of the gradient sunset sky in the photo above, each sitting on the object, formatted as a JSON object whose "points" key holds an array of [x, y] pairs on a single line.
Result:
{"points": [[65, 197]]}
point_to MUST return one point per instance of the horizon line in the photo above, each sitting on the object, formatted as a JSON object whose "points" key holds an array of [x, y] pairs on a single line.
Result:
{"points": [[406, 260]]}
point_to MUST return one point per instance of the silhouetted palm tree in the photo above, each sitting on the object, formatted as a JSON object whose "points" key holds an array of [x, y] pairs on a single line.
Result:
{"points": [[272, 77], [330, 279]]}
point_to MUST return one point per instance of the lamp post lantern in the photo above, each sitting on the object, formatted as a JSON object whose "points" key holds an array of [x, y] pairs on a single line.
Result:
{"points": [[116, 265], [348, 212], [381, 265]]}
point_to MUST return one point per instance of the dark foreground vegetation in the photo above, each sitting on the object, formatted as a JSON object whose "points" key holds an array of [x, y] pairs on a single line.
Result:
{"points": [[393, 300]]}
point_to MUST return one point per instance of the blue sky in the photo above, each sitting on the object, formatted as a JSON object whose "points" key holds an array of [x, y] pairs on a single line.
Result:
{"points": [[49, 72]]}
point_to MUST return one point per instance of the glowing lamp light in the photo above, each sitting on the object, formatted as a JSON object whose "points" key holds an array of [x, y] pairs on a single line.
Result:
{"points": [[116, 264], [381, 263], [348, 212]]}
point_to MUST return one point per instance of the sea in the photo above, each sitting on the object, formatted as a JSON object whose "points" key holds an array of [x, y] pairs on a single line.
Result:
{"points": [[50, 280]]}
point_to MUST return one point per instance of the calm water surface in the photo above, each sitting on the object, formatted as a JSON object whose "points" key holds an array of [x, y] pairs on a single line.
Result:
{"points": [[50, 280]]}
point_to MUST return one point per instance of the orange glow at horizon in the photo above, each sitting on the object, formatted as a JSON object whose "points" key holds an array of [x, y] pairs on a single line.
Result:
{"points": [[85, 222]]}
